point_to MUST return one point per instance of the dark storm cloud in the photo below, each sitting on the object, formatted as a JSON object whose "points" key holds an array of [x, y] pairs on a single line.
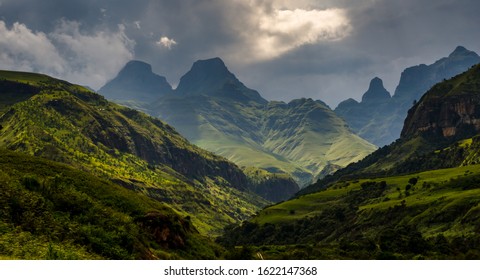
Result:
{"points": [[326, 50]]}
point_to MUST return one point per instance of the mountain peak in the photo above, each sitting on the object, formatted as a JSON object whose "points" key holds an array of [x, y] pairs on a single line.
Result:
{"points": [[136, 66], [136, 81], [460, 51], [213, 64], [376, 91], [206, 76]]}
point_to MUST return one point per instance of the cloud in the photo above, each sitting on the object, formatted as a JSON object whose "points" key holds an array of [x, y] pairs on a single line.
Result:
{"points": [[67, 53], [283, 30], [92, 58], [166, 42], [327, 49], [25, 50], [137, 24]]}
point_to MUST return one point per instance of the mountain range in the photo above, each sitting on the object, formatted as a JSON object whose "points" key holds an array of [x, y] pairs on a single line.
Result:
{"points": [[84, 178], [379, 117], [416, 198], [56, 120], [303, 138]]}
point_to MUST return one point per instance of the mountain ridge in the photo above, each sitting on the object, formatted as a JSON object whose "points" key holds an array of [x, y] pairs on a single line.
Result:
{"points": [[216, 111], [382, 123], [417, 198], [70, 124]]}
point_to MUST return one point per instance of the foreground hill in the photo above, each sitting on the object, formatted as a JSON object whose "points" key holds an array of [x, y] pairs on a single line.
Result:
{"points": [[214, 110], [379, 117], [53, 211], [416, 198], [66, 123]]}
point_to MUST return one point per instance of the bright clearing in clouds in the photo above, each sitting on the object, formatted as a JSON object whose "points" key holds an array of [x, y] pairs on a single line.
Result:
{"points": [[284, 30]]}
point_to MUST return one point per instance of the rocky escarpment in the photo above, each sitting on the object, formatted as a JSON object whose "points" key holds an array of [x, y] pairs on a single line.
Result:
{"points": [[445, 117], [381, 122], [450, 109]]}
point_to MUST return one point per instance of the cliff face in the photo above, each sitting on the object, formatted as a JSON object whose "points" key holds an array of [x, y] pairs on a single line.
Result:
{"points": [[445, 117], [450, 109], [381, 122]]}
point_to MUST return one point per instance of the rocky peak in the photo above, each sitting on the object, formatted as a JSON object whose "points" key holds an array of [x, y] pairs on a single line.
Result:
{"points": [[462, 51], [206, 75], [211, 77], [416, 80], [376, 92], [136, 68], [136, 81]]}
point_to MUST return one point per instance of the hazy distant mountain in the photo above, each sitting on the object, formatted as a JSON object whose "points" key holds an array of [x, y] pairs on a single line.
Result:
{"points": [[442, 130], [381, 122], [136, 82], [370, 117], [216, 111]]}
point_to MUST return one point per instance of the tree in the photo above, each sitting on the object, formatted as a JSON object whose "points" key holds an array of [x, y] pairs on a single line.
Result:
{"points": [[413, 181]]}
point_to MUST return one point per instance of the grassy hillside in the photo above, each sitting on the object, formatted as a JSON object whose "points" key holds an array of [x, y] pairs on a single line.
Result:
{"points": [[301, 138], [67, 123], [52, 211], [217, 112], [432, 214], [416, 198]]}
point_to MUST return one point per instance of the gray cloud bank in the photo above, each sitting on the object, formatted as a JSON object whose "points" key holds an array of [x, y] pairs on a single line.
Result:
{"points": [[326, 50]]}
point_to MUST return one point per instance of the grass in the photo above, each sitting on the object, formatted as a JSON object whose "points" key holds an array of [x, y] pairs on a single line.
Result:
{"points": [[52, 211], [431, 215], [300, 138], [313, 204], [69, 124]]}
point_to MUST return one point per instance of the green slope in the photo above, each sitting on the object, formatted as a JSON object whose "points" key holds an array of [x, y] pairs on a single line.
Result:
{"points": [[53, 211], [67, 123], [217, 112], [416, 198], [437, 217]]}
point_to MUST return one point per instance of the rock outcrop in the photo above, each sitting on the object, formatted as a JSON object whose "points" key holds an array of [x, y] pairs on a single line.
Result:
{"points": [[450, 109]]}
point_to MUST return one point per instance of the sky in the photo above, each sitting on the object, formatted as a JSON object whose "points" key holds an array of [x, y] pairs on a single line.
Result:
{"points": [[285, 49]]}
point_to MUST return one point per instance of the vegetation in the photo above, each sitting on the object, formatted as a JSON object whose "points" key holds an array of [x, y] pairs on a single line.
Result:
{"points": [[418, 198], [68, 123], [217, 112], [431, 214], [52, 211]]}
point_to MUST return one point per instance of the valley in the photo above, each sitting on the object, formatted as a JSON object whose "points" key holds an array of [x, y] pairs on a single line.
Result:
{"points": [[417, 198], [303, 138], [85, 178]]}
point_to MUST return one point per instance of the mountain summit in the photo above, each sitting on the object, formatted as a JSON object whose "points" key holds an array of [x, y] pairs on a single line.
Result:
{"points": [[376, 92], [462, 52], [136, 81], [212, 77], [209, 74], [217, 112]]}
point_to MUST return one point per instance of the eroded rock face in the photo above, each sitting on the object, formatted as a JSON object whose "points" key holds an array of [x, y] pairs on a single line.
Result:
{"points": [[450, 109], [445, 117]]}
